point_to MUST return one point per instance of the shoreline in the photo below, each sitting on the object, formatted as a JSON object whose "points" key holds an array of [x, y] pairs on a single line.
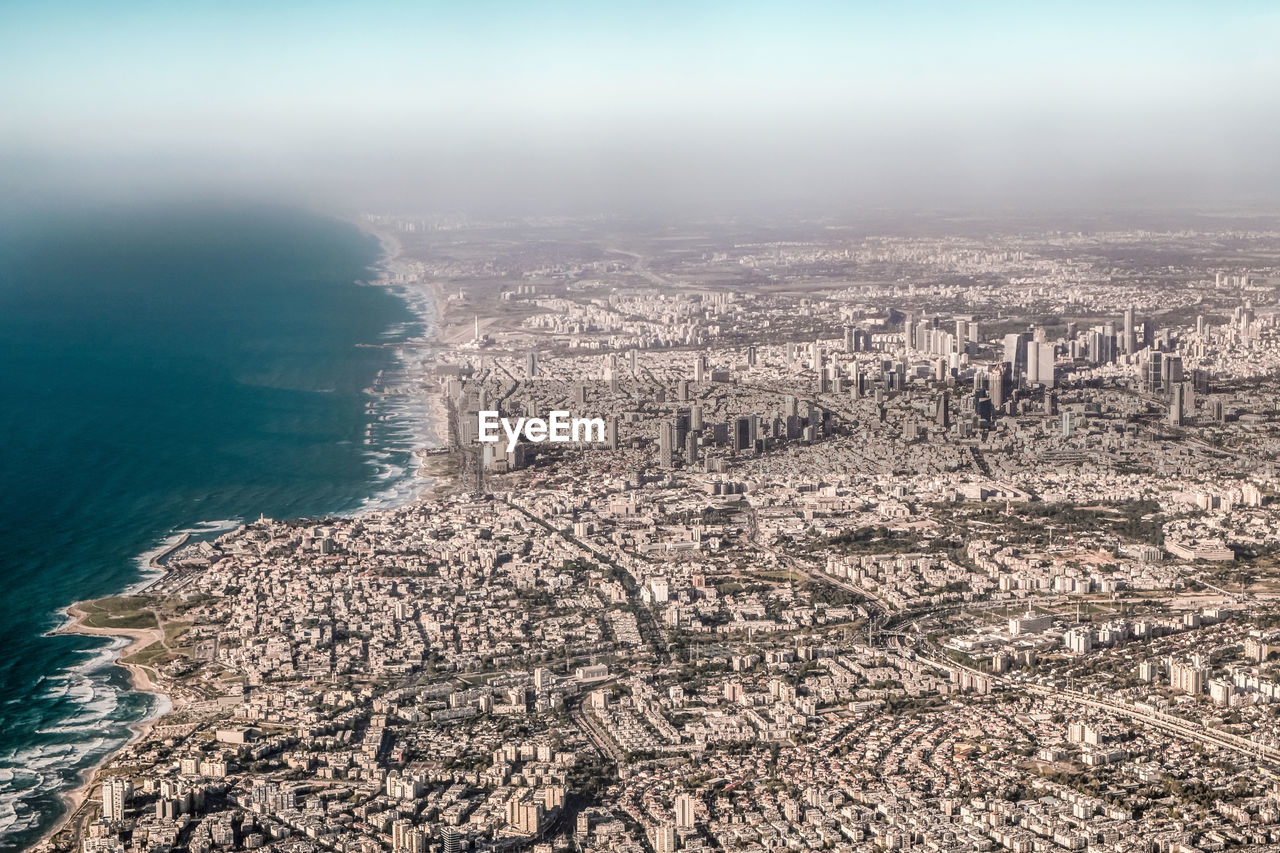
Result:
{"points": [[137, 639], [155, 561]]}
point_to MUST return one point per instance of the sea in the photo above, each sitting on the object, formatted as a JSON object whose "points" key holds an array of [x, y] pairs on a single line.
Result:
{"points": [[166, 368]]}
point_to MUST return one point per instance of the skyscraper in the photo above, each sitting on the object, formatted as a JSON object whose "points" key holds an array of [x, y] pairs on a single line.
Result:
{"points": [[998, 384], [1153, 379], [666, 444], [1046, 358], [1015, 353]]}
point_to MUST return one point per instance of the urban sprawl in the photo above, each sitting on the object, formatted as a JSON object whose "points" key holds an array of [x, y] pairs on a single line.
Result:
{"points": [[955, 538]]}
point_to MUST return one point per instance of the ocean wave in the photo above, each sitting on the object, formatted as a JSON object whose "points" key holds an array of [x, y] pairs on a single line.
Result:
{"points": [[399, 426], [79, 721], [15, 816], [220, 526]]}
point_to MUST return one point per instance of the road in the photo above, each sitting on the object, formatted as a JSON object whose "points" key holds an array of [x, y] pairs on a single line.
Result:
{"points": [[1267, 755]]}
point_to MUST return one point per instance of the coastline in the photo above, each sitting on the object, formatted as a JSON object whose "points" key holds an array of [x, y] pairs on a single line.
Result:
{"points": [[136, 639]]}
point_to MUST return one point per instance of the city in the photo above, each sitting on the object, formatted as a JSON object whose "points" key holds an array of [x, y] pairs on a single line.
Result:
{"points": [[937, 536]]}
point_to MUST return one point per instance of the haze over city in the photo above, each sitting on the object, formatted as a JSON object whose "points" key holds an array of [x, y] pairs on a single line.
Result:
{"points": [[718, 107]]}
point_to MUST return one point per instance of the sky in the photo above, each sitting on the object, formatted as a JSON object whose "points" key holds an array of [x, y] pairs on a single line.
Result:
{"points": [[555, 107]]}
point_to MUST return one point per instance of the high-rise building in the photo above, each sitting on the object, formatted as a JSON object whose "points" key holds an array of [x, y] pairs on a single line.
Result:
{"points": [[682, 428], [998, 384], [1130, 339], [525, 815], [685, 811], [1171, 370], [664, 838], [666, 444], [116, 793], [400, 831], [1176, 404], [1186, 677], [1041, 359], [1015, 352], [1079, 640], [1153, 377]]}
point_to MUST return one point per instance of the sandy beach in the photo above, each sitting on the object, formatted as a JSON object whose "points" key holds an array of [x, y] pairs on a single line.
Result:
{"points": [[139, 639]]}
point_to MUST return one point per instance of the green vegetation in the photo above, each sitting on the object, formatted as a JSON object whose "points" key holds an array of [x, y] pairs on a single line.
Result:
{"points": [[119, 611], [151, 656]]}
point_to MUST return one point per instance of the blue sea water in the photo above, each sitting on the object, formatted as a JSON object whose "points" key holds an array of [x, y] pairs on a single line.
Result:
{"points": [[161, 368]]}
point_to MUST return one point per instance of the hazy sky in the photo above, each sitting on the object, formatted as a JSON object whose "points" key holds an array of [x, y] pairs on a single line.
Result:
{"points": [[613, 106]]}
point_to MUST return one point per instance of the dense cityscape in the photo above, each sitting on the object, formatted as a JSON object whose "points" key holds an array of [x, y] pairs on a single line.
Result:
{"points": [[936, 536]]}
